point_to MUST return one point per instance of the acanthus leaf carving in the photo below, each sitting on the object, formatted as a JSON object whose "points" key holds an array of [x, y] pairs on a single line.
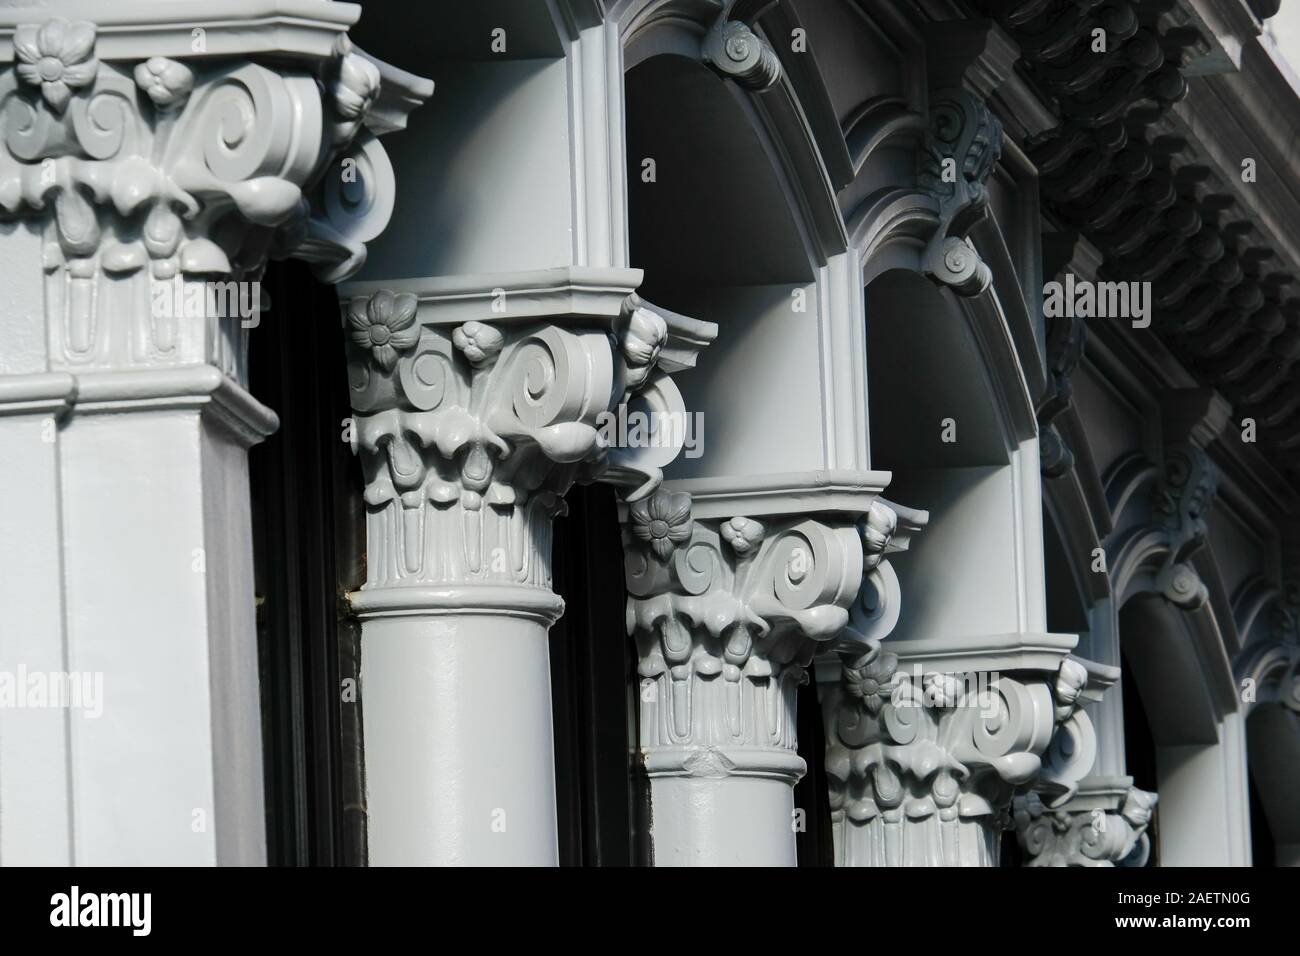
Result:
{"points": [[1180, 501], [1103, 825], [153, 178], [727, 614], [961, 149], [470, 433]]}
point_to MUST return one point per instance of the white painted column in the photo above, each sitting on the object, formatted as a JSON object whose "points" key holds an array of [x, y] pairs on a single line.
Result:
{"points": [[153, 168], [479, 400], [33, 400], [734, 584]]}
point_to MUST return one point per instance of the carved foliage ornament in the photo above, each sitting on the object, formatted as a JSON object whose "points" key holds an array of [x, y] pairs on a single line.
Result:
{"points": [[727, 615], [1180, 502], [922, 767], [962, 147], [470, 434], [1090, 836], [146, 174]]}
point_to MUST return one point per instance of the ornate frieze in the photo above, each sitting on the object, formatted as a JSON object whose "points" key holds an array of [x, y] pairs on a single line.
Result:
{"points": [[1103, 824], [961, 149], [729, 599], [471, 430], [162, 184]]}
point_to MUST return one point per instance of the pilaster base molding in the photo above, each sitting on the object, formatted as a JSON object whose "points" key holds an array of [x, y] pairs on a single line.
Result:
{"points": [[479, 401], [1103, 824], [924, 756], [733, 586]]}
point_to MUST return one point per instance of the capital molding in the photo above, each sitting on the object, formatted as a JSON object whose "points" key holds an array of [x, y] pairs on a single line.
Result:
{"points": [[729, 602], [1103, 824], [479, 401], [926, 746], [166, 152]]}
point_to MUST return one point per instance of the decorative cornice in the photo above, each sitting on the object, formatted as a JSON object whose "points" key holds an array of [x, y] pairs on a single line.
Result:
{"points": [[1163, 196], [728, 612], [961, 149], [936, 745], [471, 430], [1103, 824]]}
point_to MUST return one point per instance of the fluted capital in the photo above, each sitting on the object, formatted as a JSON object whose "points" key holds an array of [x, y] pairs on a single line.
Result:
{"points": [[733, 587], [1103, 824], [166, 149], [479, 400]]}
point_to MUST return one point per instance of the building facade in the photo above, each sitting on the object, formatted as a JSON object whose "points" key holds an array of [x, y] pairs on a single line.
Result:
{"points": [[671, 432]]}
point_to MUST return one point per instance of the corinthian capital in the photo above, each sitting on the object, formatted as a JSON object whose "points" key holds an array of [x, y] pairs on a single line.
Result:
{"points": [[1103, 824], [153, 156], [733, 587], [961, 148], [480, 400], [923, 760]]}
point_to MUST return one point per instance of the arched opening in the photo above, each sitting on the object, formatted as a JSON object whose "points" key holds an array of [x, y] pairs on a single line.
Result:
{"points": [[714, 231], [1180, 741], [937, 425], [1273, 743], [713, 227]]}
